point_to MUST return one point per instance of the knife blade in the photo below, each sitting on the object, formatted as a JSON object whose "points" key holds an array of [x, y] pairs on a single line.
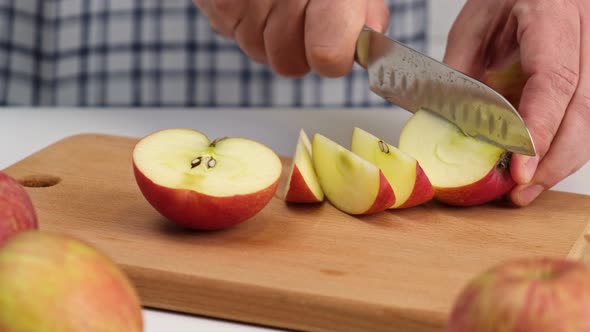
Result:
{"points": [[415, 81]]}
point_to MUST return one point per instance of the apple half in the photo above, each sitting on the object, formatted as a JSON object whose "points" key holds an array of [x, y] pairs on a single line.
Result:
{"points": [[352, 184], [409, 182], [203, 184], [463, 170], [302, 183]]}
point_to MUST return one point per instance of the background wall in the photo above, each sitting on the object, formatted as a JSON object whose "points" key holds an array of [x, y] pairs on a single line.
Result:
{"points": [[442, 15]]}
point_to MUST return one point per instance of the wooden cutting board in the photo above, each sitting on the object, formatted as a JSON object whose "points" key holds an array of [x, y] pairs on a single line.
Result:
{"points": [[297, 267]]}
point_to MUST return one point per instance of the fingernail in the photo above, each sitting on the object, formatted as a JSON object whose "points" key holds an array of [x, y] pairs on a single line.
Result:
{"points": [[375, 26], [530, 168], [529, 194]]}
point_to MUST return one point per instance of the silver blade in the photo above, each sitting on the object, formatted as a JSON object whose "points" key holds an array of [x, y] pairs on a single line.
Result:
{"points": [[415, 81]]}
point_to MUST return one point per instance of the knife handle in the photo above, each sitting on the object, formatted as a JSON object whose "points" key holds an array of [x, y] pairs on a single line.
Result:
{"points": [[361, 54]]}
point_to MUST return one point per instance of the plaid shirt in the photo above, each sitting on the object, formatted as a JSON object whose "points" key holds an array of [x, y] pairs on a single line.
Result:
{"points": [[158, 53]]}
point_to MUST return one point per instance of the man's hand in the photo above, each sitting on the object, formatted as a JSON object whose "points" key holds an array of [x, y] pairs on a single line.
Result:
{"points": [[296, 36], [551, 39]]}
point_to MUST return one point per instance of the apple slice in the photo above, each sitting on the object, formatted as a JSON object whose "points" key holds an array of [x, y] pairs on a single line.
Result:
{"points": [[203, 184], [302, 184], [464, 171], [409, 182], [352, 184]]}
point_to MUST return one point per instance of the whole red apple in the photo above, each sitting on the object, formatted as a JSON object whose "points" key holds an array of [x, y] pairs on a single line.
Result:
{"points": [[17, 213], [52, 282], [525, 295]]}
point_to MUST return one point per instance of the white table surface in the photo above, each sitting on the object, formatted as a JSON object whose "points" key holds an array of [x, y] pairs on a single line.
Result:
{"points": [[24, 131]]}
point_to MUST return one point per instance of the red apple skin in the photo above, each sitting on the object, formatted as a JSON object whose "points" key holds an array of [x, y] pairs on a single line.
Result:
{"points": [[185, 207], [54, 282], [385, 196], [422, 192], [495, 184], [17, 213], [526, 295], [299, 191]]}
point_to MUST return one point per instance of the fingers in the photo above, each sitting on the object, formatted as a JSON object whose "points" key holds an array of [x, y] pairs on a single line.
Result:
{"points": [[569, 149], [331, 31], [284, 38], [223, 15], [553, 73], [377, 15], [295, 36], [241, 20], [568, 153], [249, 32]]}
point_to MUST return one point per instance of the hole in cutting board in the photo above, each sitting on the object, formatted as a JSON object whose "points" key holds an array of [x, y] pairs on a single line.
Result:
{"points": [[39, 180]]}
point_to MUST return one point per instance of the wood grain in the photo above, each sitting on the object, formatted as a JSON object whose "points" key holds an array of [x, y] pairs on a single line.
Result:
{"points": [[298, 267]]}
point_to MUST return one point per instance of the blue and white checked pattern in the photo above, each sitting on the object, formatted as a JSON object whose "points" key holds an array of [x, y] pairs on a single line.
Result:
{"points": [[153, 53]]}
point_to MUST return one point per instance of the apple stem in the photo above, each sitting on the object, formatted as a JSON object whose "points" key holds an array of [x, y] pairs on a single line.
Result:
{"points": [[196, 162], [504, 162], [383, 147], [215, 141]]}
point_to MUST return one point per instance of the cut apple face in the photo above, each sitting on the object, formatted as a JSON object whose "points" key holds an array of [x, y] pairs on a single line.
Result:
{"points": [[409, 182], [302, 183], [463, 170], [205, 184], [352, 184]]}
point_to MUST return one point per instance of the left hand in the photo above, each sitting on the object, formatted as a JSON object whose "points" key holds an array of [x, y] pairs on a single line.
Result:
{"points": [[551, 39], [295, 37]]}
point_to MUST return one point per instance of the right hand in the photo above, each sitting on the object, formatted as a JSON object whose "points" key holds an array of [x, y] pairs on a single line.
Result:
{"points": [[551, 41], [296, 36]]}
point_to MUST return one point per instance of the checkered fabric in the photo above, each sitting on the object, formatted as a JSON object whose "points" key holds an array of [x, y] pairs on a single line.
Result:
{"points": [[154, 53]]}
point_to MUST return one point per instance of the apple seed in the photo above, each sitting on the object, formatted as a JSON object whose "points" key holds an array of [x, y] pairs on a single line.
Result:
{"points": [[196, 162], [211, 163], [383, 147]]}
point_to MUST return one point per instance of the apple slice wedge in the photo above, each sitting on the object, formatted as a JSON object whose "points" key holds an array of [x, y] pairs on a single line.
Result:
{"points": [[409, 182], [203, 184], [302, 183], [352, 184], [463, 170]]}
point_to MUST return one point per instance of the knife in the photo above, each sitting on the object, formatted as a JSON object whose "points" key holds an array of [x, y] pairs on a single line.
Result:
{"points": [[414, 81]]}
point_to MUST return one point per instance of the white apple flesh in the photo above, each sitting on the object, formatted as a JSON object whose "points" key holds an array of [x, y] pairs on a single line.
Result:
{"points": [[203, 184], [463, 170], [406, 177], [352, 184], [302, 183]]}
